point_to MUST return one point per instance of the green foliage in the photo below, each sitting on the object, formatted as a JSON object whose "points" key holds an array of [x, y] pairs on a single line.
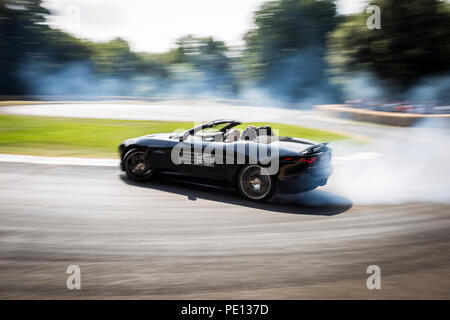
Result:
{"points": [[286, 26], [20, 38], [209, 57], [285, 29], [60, 47], [113, 58], [284, 52], [413, 42], [29, 46]]}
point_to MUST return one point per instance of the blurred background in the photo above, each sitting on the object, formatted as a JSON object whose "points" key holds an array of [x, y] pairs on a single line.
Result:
{"points": [[285, 53], [78, 77]]}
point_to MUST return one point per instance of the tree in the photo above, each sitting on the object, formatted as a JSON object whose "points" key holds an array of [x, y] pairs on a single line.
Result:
{"points": [[20, 37], [285, 50], [209, 57], [29, 48], [413, 43], [113, 58]]}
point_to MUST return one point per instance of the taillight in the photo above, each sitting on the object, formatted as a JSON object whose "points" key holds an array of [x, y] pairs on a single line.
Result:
{"points": [[307, 160]]}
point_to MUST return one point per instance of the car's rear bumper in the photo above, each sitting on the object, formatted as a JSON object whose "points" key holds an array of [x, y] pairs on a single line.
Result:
{"points": [[305, 181]]}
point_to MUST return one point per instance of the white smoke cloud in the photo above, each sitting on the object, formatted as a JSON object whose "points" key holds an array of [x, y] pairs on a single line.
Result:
{"points": [[411, 165], [363, 86], [431, 89]]}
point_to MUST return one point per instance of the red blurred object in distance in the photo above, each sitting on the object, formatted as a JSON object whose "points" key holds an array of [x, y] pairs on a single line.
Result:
{"points": [[308, 160], [403, 108]]}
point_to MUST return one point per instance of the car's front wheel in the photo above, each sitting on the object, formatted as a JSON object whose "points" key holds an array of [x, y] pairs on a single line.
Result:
{"points": [[137, 165], [255, 183]]}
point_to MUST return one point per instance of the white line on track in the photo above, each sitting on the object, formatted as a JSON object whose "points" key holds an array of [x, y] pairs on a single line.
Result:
{"points": [[115, 162], [59, 160]]}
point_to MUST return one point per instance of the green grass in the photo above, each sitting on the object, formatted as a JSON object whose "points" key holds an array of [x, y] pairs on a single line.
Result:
{"points": [[51, 136], [288, 130]]}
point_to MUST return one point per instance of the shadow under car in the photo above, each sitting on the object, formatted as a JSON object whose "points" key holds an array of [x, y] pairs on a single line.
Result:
{"points": [[316, 202]]}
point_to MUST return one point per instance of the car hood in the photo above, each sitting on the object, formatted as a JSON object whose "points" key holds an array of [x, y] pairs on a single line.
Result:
{"points": [[158, 138], [162, 136]]}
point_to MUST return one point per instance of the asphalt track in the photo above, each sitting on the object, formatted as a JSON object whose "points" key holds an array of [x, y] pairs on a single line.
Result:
{"points": [[165, 239]]}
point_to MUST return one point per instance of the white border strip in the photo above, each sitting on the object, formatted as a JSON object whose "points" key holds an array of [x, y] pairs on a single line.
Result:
{"points": [[59, 160], [358, 156], [18, 158]]}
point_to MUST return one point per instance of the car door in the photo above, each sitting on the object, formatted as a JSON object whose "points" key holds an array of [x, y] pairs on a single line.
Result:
{"points": [[200, 156]]}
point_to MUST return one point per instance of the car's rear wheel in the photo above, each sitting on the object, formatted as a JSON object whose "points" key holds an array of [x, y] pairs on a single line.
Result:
{"points": [[255, 183], [138, 165]]}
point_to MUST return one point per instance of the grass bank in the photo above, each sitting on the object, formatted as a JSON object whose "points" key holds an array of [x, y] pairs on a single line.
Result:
{"points": [[51, 136]]}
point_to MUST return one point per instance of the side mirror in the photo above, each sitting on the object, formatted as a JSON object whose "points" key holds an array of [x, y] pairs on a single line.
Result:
{"points": [[184, 136]]}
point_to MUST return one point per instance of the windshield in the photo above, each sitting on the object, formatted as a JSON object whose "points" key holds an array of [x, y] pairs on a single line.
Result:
{"points": [[211, 129]]}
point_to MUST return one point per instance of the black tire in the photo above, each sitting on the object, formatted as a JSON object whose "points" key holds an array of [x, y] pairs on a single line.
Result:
{"points": [[253, 185], [137, 165]]}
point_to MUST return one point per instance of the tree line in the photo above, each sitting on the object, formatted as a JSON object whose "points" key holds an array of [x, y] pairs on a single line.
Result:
{"points": [[294, 48]]}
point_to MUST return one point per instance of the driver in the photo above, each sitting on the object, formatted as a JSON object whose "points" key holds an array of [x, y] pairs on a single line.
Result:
{"points": [[232, 135], [250, 133]]}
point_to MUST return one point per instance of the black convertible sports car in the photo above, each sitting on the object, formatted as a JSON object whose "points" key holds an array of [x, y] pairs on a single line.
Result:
{"points": [[255, 161]]}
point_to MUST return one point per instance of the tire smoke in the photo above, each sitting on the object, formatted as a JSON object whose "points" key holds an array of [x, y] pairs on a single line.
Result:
{"points": [[407, 165]]}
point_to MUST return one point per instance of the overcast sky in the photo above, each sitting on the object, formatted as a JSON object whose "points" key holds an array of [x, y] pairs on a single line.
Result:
{"points": [[154, 25]]}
